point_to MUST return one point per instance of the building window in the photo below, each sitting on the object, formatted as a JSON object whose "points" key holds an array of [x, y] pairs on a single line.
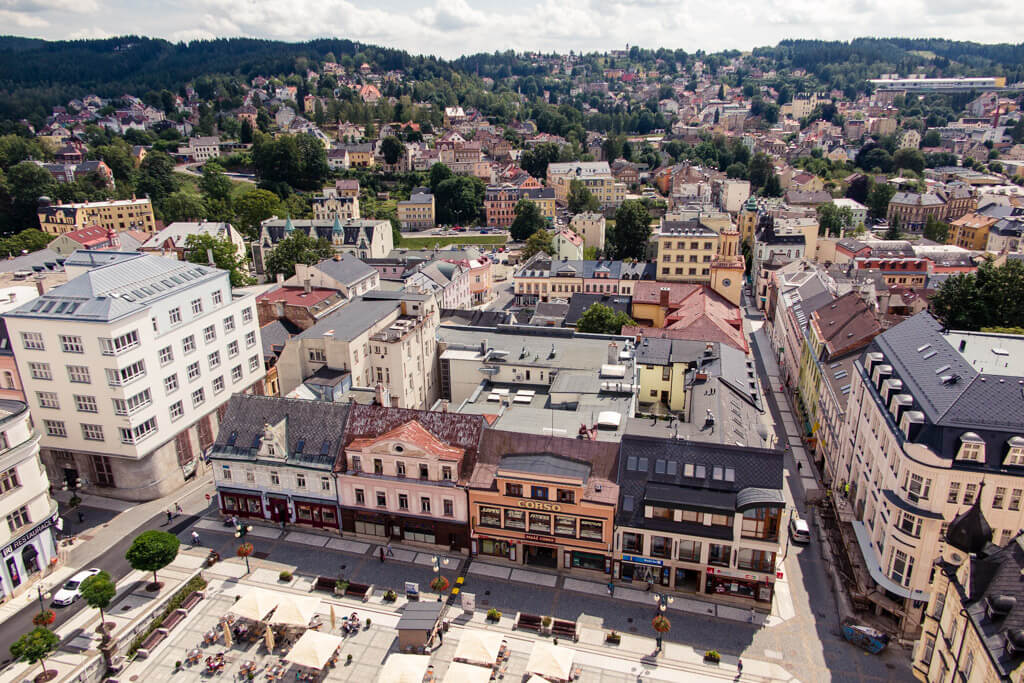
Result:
{"points": [[33, 341], [515, 519], [360, 497], [1015, 497], [171, 384], [446, 473], [939, 606], [317, 356], [762, 523], [218, 384], [232, 349], [79, 374], [400, 468], [425, 505], [382, 499], [999, 497], [972, 447], [490, 516], [40, 370], [689, 551], [661, 546], [9, 481], [226, 472], [403, 501], [919, 487], [633, 543], [424, 472], [254, 362], [118, 345], [246, 315], [86, 404], [969, 493], [198, 396], [229, 324], [166, 355], [48, 399], [378, 466], [236, 373], [567, 496], [719, 554], [175, 316], [540, 522], [193, 371], [325, 483], [188, 344], [177, 410], [910, 524], [126, 375], [250, 339], [18, 519], [55, 428], [92, 432], [954, 492], [138, 433], [539, 492], [197, 306], [902, 568], [209, 334], [275, 478], [71, 344]]}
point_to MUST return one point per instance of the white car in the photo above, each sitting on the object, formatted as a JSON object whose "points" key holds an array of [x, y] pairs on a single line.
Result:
{"points": [[69, 592]]}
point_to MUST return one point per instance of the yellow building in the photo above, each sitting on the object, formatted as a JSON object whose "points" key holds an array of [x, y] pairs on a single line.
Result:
{"points": [[685, 251], [746, 221], [596, 176], [120, 214], [417, 212], [970, 231], [971, 629], [662, 372]]}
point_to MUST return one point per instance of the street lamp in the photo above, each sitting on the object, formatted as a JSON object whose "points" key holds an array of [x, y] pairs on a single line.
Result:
{"points": [[246, 549], [663, 601], [439, 580], [42, 596], [242, 529]]}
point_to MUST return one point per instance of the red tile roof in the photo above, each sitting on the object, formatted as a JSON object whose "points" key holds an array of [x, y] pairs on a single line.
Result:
{"points": [[413, 433], [296, 296]]}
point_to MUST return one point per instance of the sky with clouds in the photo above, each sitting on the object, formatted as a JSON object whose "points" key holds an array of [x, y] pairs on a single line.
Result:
{"points": [[450, 28]]}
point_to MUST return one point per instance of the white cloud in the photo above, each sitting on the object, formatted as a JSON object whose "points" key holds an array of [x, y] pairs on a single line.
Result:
{"points": [[450, 28]]}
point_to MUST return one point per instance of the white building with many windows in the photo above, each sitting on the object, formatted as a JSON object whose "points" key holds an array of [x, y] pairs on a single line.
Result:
{"points": [[27, 545], [126, 366]]}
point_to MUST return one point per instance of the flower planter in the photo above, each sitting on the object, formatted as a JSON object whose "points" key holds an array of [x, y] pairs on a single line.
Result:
{"points": [[613, 639]]}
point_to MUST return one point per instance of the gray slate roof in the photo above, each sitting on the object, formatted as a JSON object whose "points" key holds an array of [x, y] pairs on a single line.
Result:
{"points": [[352, 319], [345, 268]]}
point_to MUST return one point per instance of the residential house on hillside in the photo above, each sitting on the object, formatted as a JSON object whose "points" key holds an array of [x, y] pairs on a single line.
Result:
{"points": [[364, 238]]}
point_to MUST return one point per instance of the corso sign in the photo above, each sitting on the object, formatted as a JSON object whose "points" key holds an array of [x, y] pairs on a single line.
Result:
{"points": [[539, 505]]}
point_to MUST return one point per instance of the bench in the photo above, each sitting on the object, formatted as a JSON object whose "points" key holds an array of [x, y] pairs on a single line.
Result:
{"points": [[174, 619], [359, 590], [192, 600], [325, 583], [530, 622], [154, 639], [560, 627]]}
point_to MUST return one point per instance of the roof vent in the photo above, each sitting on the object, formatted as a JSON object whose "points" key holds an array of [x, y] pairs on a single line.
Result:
{"points": [[1015, 642], [950, 379], [999, 606]]}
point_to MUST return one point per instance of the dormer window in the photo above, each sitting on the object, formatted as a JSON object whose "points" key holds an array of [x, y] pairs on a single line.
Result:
{"points": [[271, 450], [1015, 454], [398, 448], [972, 448]]}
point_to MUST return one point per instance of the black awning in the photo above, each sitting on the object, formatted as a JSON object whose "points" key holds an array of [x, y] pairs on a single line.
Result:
{"points": [[752, 497]]}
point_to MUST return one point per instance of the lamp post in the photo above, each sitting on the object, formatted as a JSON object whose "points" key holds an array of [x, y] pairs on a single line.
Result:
{"points": [[436, 563], [42, 596], [663, 601], [246, 549]]}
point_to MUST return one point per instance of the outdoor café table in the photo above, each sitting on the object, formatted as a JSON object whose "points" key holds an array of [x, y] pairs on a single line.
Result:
{"points": [[194, 654]]}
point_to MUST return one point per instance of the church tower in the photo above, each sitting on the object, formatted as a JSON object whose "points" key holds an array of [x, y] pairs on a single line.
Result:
{"points": [[747, 220], [728, 266]]}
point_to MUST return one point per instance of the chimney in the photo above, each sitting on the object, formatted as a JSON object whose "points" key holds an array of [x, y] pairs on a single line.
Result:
{"points": [[483, 346], [307, 286], [280, 278], [209, 257], [613, 353], [663, 297], [12, 296]]}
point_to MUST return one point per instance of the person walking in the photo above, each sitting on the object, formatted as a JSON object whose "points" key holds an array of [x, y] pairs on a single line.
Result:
{"points": [[81, 516], [195, 538], [382, 554], [169, 515], [611, 588], [177, 509], [391, 553], [739, 668]]}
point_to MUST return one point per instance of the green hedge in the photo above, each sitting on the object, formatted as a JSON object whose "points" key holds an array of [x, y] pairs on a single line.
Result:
{"points": [[196, 583]]}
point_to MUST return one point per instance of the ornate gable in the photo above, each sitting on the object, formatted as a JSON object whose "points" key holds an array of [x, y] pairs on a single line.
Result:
{"points": [[410, 439], [274, 442]]}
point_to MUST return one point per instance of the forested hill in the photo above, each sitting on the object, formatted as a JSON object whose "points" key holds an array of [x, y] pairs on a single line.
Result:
{"points": [[35, 75]]}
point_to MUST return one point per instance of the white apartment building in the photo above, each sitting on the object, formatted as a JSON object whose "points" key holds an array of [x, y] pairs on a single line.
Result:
{"points": [[591, 227], [934, 420], [385, 339], [27, 545], [127, 364]]}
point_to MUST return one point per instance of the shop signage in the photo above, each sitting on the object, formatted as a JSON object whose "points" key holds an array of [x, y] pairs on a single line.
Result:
{"points": [[734, 575], [25, 538], [535, 537], [642, 560], [540, 505]]}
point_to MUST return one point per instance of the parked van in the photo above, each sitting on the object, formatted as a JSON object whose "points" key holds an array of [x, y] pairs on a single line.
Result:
{"points": [[799, 532]]}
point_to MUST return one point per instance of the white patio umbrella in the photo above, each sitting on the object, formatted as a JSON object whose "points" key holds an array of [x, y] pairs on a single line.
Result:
{"points": [[550, 661], [479, 646], [313, 649], [296, 611], [460, 672], [255, 605], [404, 669]]}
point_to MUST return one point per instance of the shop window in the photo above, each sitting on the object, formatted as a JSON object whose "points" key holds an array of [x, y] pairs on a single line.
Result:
{"points": [[661, 546], [565, 526], [540, 522], [689, 551], [756, 560], [592, 529], [515, 519], [719, 554]]}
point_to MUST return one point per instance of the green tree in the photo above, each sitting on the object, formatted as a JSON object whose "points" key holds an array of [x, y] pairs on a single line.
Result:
{"points": [[245, 132], [254, 207], [832, 220], [535, 161], [152, 551], [392, 149], [183, 205], [225, 256], [931, 139], [878, 199], [632, 230], [893, 233], [15, 149], [298, 160], [297, 248], [528, 220], [538, 241], [26, 183], [438, 174], [118, 156], [29, 240], [935, 230], [97, 591], [34, 646], [773, 186], [215, 184], [601, 319], [910, 159], [759, 171], [459, 199], [581, 198]]}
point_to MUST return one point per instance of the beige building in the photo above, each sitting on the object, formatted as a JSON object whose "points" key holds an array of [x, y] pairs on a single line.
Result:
{"points": [[333, 205], [380, 339], [596, 176], [417, 212], [973, 628], [591, 227], [116, 215], [931, 416]]}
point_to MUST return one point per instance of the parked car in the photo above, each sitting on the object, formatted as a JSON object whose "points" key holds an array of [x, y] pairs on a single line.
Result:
{"points": [[69, 592], [799, 532]]}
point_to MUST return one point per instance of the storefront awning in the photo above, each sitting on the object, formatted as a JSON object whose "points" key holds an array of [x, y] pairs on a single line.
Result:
{"points": [[752, 497], [867, 549]]}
